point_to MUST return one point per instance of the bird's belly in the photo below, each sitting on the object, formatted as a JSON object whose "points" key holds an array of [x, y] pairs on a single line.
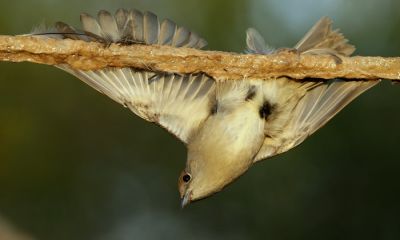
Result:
{"points": [[238, 135]]}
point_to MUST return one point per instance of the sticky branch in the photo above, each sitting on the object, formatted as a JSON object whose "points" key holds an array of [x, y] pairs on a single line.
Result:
{"points": [[220, 65]]}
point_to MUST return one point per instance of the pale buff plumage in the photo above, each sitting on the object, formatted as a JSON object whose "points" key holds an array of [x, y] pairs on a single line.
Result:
{"points": [[226, 125]]}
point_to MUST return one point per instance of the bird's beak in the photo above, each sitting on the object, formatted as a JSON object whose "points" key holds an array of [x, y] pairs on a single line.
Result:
{"points": [[186, 199]]}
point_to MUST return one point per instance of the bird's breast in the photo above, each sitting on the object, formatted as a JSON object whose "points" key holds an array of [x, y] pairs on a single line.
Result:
{"points": [[231, 138]]}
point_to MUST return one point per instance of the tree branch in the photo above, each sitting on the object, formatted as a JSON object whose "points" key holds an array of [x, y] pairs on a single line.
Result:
{"points": [[220, 65]]}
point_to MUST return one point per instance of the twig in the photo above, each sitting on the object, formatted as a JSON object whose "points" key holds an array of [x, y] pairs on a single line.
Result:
{"points": [[220, 65]]}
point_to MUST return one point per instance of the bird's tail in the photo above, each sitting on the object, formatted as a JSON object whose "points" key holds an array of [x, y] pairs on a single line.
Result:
{"points": [[320, 39]]}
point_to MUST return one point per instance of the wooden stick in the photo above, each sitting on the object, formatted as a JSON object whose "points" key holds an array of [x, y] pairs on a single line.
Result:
{"points": [[219, 65]]}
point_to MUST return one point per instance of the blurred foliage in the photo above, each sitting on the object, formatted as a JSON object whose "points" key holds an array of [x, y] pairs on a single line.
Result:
{"points": [[75, 165]]}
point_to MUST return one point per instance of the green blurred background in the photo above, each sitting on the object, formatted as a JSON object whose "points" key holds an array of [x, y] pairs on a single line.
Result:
{"points": [[75, 165]]}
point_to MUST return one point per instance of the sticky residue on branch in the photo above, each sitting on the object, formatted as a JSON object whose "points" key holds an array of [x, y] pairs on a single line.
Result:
{"points": [[220, 65]]}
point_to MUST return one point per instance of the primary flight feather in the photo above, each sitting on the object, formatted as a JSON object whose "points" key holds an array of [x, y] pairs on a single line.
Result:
{"points": [[226, 125]]}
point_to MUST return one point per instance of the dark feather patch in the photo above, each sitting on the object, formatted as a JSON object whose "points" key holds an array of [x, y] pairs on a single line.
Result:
{"points": [[214, 108], [265, 110], [251, 93]]}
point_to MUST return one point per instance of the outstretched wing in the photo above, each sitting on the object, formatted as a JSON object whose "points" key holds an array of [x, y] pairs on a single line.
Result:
{"points": [[179, 103], [306, 107], [308, 113], [127, 27], [133, 26]]}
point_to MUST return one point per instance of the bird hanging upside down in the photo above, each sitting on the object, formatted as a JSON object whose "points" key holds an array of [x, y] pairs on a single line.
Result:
{"points": [[227, 126]]}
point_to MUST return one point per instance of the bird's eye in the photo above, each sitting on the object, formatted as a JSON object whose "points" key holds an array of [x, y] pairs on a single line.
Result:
{"points": [[186, 178]]}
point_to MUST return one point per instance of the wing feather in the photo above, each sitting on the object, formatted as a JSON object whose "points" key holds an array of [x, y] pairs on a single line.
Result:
{"points": [[136, 23], [255, 43], [305, 107], [90, 25], [310, 113], [109, 26], [178, 103], [126, 26], [181, 37], [134, 26], [167, 32], [121, 19], [151, 28]]}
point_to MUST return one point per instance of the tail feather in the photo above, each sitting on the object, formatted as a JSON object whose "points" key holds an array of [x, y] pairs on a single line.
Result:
{"points": [[322, 39]]}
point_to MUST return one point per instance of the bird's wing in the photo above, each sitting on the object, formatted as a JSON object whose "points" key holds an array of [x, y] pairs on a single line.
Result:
{"points": [[126, 27], [256, 43], [310, 112], [303, 108], [177, 103]]}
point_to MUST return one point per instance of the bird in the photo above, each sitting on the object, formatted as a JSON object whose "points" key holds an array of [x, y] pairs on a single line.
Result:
{"points": [[226, 125]]}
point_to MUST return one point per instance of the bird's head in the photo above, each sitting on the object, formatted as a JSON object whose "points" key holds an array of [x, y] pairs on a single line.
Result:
{"points": [[221, 151], [193, 186], [199, 181]]}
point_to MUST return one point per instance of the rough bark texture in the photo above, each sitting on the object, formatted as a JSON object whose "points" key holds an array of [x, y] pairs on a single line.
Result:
{"points": [[220, 65]]}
